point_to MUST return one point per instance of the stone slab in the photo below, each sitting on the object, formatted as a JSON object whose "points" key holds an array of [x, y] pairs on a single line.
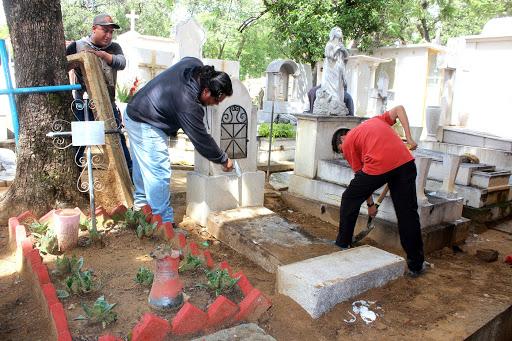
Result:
{"points": [[490, 179], [488, 213], [264, 237], [318, 284], [438, 211], [473, 196], [280, 181], [476, 139], [246, 332]]}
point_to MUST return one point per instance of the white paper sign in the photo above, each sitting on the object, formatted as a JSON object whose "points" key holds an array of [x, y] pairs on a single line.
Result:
{"points": [[88, 133]]}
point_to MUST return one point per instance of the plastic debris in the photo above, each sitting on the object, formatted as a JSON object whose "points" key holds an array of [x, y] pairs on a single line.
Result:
{"points": [[362, 308]]}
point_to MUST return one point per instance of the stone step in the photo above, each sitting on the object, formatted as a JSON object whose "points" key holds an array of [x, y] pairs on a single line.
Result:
{"points": [[499, 158], [264, 237], [490, 179], [476, 197], [318, 284]]}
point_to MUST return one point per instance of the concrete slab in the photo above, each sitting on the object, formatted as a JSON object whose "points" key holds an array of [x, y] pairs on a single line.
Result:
{"points": [[264, 237], [246, 332], [318, 284], [280, 181]]}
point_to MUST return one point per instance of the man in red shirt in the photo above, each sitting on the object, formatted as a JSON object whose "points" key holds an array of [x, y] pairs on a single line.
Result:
{"points": [[378, 156]]}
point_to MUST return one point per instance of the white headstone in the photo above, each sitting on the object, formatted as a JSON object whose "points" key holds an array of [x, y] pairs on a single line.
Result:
{"points": [[132, 16], [190, 37]]}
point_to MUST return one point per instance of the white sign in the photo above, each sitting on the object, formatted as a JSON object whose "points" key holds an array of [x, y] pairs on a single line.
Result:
{"points": [[88, 133]]}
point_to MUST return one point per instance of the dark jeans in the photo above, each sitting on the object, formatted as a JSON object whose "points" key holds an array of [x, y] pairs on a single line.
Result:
{"points": [[80, 150], [402, 187]]}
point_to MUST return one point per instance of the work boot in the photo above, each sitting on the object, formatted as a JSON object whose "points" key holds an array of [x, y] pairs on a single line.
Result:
{"points": [[417, 273]]}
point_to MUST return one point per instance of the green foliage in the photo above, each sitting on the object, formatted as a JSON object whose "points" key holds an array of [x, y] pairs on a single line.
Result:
{"points": [[190, 263], [134, 218], [39, 228], [78, 282], [144, 276], [46, 242], [219, 281], [285, 130], [65, 265], [101, 312], [146, 229], [154, 16]]}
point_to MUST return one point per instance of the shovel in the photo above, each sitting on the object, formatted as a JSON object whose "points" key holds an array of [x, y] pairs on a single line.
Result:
{"points": [[370, 224]]}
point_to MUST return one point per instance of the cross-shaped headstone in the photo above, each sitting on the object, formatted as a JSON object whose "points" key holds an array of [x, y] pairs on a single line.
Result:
{"points": [[153, 66], [132, 16]]}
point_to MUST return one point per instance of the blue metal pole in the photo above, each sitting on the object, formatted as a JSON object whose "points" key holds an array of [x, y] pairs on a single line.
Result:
{"points": [[12, 102], [35, 89]]}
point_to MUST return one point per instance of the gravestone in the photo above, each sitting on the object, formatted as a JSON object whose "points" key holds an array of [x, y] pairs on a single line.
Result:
{"points": [[287, 86], [190, 37], [233, 126]]}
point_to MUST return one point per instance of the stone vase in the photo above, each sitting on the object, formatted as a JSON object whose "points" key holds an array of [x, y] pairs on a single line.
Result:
{"points": [[66, 226], [433, 116]]}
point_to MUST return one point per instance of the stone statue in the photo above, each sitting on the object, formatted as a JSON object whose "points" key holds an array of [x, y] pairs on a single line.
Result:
{"points": [[329, 97]]}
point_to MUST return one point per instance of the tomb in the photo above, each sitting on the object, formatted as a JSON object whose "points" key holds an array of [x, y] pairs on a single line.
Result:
{"points": [[233, 126]]}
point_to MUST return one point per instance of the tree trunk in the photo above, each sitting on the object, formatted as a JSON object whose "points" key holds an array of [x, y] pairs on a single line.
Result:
{"points": [[46, 177]]}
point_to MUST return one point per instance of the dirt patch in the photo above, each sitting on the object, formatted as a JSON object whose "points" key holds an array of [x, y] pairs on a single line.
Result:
{"points": [[454, 298]]}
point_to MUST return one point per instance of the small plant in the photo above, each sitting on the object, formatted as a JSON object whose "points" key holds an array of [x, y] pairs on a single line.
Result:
{"points": [[146, 229], [39, 228], [47, 243], [144, 276], [190, 263], [220, 281], [100, 312], [285, 130], [65, 265], [80, 282], [134, 218]]}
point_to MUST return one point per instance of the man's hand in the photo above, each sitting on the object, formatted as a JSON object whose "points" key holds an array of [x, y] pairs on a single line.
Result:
{"points": [[227, 166], [372, 211], [411, 144], [103, 55]]}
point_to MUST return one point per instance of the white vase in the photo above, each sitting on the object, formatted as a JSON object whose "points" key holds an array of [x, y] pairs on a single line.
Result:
{"points": [[433, 115]]}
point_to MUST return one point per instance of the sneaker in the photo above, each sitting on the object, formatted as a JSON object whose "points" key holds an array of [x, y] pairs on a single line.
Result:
{"points": [[417, 273]]}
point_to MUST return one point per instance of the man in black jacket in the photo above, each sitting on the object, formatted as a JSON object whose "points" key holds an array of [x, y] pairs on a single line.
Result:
{"points": [[172, 100]]}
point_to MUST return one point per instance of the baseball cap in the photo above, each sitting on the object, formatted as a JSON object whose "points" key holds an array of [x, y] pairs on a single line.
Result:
{"points": [[104, 20]]}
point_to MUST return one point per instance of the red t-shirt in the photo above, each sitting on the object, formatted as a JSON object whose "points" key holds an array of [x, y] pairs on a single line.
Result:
{"points": [[375, 147]]}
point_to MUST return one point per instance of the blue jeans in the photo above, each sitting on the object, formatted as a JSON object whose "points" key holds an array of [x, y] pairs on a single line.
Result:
{"points": [[151, 167]]}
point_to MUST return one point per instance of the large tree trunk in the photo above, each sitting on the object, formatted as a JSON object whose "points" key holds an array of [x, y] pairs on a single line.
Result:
{"points": [[45, 176]]}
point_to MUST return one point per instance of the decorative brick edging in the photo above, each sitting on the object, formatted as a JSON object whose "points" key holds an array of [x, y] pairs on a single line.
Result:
{"points": [[189, 319], [30, 265]]}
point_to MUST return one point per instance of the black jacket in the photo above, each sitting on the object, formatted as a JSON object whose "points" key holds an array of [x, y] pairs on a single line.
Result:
{"points": [[170, 101]]}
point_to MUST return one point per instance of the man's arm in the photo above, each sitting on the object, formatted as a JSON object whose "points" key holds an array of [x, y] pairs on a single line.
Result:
{"points": [[113, 56], [399, 112]]}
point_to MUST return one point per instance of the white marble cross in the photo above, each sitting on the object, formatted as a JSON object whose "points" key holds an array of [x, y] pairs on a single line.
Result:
{"points": [[132, 16]]}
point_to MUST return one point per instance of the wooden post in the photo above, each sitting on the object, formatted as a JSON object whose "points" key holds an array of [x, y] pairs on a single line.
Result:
{"points": [[97, 91]]}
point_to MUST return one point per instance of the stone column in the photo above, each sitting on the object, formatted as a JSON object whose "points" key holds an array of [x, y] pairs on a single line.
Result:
{"points": [[422, 166], [451, 165]]}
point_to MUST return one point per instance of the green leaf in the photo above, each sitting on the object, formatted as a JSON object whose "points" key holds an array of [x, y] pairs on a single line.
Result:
{"points": [[62, 293]]}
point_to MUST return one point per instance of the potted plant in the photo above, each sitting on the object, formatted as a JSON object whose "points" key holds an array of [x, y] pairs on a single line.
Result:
{"points": [[125, 94]]}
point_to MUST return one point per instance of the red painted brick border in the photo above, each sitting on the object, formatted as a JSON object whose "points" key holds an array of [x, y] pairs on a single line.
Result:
{"points": [[189, 319]]}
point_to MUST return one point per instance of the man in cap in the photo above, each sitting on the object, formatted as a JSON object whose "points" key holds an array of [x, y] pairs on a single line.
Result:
{"points": [[112, 59]]}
